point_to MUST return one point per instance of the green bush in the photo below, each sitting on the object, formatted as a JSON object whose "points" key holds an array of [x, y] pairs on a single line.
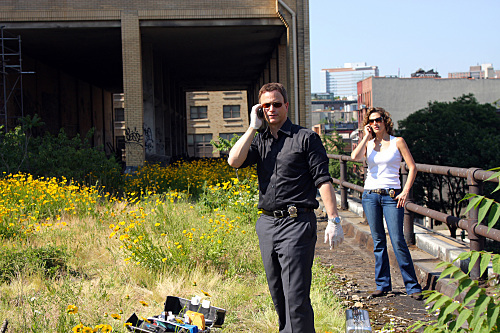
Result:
{"points": [[48, 260], [57, 156]]}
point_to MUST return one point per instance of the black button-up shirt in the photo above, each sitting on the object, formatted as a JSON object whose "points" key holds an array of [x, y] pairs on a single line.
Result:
{"points": [[289, 168]]}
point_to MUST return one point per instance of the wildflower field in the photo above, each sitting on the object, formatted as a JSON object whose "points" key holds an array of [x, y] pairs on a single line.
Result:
{"points": [[77, 259]]}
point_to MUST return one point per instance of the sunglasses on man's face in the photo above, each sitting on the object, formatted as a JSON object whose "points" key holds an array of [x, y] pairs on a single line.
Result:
{"points": [[275, 104], [378, 120]]}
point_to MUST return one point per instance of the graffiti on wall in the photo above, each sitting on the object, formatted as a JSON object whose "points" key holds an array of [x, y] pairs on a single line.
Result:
{"points": [[160, 145], [148, 139], [133, 137]]}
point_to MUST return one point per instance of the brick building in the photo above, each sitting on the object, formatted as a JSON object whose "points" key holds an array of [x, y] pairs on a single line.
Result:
{"points": [[212, 114], [83, 52]]}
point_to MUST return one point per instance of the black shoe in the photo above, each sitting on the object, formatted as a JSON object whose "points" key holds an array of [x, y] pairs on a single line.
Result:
{"points": [[378, 293], [417, 296]]}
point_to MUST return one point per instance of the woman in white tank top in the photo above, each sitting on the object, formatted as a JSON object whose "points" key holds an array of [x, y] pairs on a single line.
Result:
{"points": [[383, 197]]}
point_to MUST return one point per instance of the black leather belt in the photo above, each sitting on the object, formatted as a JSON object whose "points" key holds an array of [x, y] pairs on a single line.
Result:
{"points": [[279, 213], [382, 191]]}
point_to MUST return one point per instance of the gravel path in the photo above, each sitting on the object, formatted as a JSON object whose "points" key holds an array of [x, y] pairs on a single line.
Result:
{"points": [[354, 266]]}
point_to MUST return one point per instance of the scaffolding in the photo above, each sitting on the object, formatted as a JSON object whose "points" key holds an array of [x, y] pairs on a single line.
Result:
{"points": [[11, 83]]}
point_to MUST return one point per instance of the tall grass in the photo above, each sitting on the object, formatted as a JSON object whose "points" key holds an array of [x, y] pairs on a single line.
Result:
{"points": [[66, 267]]}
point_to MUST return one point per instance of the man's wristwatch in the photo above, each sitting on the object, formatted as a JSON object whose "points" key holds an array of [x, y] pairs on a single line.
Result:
{"points": [[335, 220]]}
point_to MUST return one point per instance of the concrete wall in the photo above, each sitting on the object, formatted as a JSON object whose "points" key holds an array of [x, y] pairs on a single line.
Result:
{"points": [[63, 101], [403, 96]]}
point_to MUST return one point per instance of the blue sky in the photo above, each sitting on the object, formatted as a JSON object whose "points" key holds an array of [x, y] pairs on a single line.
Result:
{"points": [[444, 35]]}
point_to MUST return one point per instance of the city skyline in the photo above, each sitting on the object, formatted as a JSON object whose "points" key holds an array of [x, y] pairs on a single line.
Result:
{"points": [[401, 37]]}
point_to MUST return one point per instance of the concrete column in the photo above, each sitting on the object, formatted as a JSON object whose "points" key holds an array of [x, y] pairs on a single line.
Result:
{"points": [[97, 116], [132, 89], [107, 102], [273, 68], [159, 107], [149, 99]]}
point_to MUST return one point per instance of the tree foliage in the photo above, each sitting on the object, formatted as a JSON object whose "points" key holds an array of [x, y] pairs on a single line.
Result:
{"points": [[462, 133]]}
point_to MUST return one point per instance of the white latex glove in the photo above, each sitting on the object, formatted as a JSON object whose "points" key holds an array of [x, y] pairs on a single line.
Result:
{"points": [[334, 233], [255, 121]]}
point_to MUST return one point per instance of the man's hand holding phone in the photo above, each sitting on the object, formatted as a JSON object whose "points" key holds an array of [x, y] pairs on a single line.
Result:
{"points": [[256, 116]]}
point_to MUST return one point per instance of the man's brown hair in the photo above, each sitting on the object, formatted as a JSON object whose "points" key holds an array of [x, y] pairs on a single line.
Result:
{"points": [[268, 87]]}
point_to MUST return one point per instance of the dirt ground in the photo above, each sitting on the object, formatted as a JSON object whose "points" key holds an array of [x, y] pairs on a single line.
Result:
{"points": [[355, 268]]}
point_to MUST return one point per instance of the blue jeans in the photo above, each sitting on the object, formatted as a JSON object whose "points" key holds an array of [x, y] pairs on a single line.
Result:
{"points": [[377, 206]]}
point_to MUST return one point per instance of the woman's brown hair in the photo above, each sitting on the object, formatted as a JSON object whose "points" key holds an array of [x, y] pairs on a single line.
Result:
{"points": [[386, 116]]}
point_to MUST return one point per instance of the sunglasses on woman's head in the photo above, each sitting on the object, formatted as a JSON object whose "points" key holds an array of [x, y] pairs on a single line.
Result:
{"points": [[378, 120], [275, 104]]}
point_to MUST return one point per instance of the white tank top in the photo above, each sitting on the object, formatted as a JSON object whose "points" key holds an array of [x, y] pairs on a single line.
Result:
{"points": [[383, 167]]}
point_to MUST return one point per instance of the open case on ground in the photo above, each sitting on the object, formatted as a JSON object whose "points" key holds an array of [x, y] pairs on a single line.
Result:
{"points": [[213, 317]]}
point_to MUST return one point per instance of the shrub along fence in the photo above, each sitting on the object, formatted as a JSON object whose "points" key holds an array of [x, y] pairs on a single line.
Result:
{"points": [[477, 230]]}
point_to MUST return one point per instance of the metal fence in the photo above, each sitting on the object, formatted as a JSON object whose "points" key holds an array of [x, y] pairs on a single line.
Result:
{"points": [[476, 230]]}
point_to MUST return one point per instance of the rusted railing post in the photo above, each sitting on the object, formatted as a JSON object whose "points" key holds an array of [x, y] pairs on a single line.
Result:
{"points": [[408, 229], [343, 189], [476, 241]]}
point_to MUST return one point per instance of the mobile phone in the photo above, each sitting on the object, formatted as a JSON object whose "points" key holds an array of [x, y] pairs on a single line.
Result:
{"points": [[260, 113], [370, 129]]}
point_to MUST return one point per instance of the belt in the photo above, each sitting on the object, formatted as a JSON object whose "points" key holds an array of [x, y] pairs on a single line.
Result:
{"points": [[382, 191], [279, 213]]}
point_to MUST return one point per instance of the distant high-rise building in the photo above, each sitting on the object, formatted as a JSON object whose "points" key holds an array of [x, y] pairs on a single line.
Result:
{"points": [[484, 71], [342, 82]]}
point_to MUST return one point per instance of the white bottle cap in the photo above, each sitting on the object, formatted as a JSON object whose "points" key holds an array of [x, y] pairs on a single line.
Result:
{"points": [[195, 300], [205, 304]]}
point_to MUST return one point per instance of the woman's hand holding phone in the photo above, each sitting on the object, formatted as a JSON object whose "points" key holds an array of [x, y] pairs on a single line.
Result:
{"points": [[368, 132], [256, 116]]}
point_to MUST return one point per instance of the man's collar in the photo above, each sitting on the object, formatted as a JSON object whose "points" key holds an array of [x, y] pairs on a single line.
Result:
{"points": [[286, 128]]}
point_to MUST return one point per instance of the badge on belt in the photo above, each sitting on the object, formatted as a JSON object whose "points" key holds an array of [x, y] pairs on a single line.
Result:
{"points": [[292, 211], [392, 193]]}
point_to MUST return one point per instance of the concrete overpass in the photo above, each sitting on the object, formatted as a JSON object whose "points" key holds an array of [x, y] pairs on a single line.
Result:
{"points": [[154, 52]]}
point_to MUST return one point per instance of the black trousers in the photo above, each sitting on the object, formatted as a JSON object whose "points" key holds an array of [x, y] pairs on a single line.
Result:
{"points": [[287, 248]]}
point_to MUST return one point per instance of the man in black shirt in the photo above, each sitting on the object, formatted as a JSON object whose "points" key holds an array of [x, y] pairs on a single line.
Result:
{"points": [[291, 166]]}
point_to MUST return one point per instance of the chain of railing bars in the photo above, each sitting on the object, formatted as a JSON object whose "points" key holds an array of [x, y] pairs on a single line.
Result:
{"points": [[476, 230]]}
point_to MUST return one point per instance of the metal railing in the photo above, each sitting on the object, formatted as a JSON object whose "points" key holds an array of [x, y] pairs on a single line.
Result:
{"points": [[476, 230]]}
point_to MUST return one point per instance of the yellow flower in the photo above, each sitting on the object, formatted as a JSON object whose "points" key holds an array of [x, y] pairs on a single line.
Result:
{"points": [[115, 316], [87, 329], [72, 309], [143, 303], [106, 328], [206, 294], [127, 324], [78, 328]]}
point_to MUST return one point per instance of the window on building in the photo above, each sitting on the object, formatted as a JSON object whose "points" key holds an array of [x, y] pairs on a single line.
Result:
{"points": [[199, 145], [119, 114], [198, 112], [231, 111], [228, 136]]}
